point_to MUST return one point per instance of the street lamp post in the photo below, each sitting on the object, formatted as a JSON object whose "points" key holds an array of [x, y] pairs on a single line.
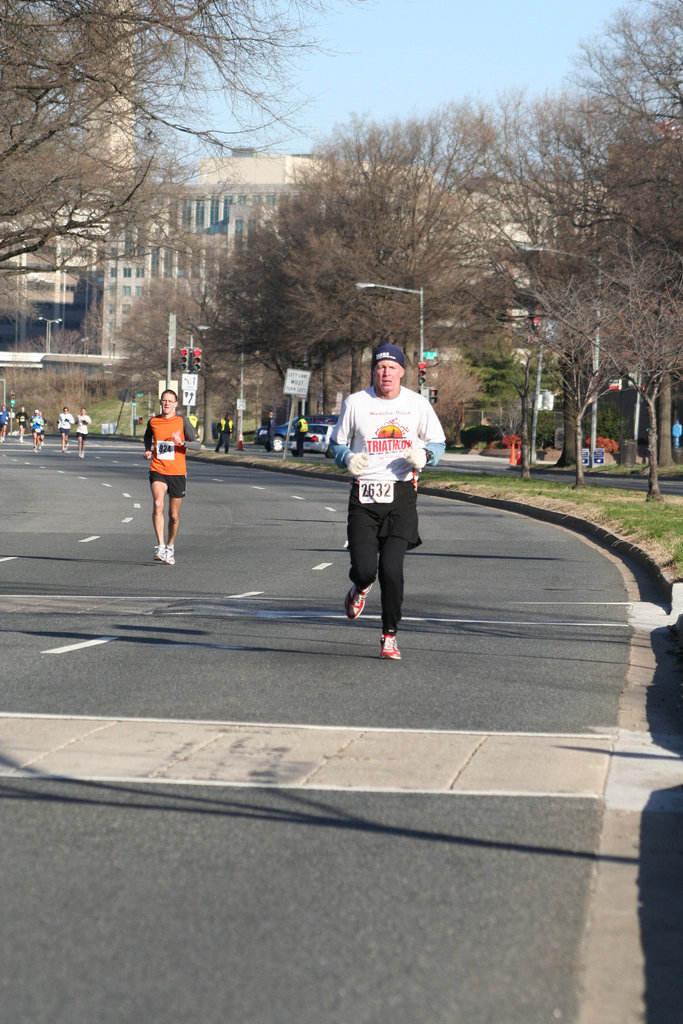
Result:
{"points": [[48, 331], [361, 285]]}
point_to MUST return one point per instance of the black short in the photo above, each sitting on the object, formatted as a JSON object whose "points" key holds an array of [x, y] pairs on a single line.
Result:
{"points": [[176, 485], [368, 523]]}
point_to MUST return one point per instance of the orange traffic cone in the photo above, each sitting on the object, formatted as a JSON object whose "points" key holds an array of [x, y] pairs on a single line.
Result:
{"points": [[240, 444], [513, 455]]}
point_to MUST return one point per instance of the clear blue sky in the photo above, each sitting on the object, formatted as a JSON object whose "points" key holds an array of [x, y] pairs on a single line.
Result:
{"points": [[394, 58]]}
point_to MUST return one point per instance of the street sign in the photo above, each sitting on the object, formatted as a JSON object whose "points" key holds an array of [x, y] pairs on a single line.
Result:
{"points": [[172, 385], [296, 383], [189, 397], [189, 381], [241, 404], [432, 354], [598, 456]]}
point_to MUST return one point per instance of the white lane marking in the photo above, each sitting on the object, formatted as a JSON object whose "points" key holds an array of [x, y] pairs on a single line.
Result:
{"points": [[255, 487], [62, 471], [86, 540], [78, 647], [322, 565], [128, 519], [248, 593], [9, 558], [298, 498], [136, 504], [125, 495], [569, 604], [328, 508], [82, 478], [107, 485]]}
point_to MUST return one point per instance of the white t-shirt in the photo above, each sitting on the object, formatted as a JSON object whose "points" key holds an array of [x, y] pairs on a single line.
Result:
{"points": [[82, 423], [385, 429], [65, 421]]}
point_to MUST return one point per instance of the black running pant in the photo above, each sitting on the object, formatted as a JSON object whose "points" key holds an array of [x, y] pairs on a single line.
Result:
{"points": [[365, 568]]}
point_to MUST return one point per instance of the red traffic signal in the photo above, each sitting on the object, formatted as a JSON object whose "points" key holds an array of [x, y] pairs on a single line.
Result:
{"points": [[184, 360], [421, 374], [197, 360]]}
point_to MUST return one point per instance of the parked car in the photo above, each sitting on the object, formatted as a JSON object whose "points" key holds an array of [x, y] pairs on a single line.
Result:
{"points": [[317, 438], [279, 435]]}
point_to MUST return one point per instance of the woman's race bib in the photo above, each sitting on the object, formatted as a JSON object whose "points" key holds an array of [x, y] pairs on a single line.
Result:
{"points": [[166, 450], [372, 492]]}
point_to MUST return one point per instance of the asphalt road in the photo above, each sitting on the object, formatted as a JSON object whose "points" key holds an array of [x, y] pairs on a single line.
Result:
{"points": [[141, 901]]}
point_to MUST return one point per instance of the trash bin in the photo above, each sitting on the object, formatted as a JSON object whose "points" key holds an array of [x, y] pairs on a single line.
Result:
{"points": [[628, 453]]}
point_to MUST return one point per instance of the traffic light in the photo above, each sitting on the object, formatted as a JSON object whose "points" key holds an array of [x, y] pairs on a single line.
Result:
{"points": [[184, 360], [139, 421], [433, 395], [421, 374], [197, 360], [11, 400]]}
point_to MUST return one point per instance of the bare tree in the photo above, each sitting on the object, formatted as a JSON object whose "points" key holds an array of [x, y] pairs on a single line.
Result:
{"points": [[643, 341], [95, 99], [581, 315]]}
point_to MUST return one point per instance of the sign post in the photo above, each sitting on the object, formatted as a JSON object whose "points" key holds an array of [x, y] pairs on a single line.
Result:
{"points": [[190, 384], [296, 385]]}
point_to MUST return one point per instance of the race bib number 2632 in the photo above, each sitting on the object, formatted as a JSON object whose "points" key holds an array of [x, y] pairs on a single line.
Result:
{"points": [[376, 492]]}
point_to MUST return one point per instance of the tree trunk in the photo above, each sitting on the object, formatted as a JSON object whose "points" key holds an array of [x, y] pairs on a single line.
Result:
{"points": [[568, 457], [526, 472], [356, 369], [665, 457], [578, 445], [653, 492]]}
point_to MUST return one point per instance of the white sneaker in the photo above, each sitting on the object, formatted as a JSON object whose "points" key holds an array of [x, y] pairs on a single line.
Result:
{"points": [[160, 553], [169, 557]]}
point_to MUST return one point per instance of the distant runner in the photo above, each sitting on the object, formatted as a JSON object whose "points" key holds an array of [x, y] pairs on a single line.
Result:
{"points": [[4, 420], [64, 425], [38, 428], [83, 421], [166, 439]]}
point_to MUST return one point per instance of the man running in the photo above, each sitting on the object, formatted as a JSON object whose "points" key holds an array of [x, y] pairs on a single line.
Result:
{"points": [[83, 421], [38, 428], [4, 420], [167, 437], [64, 425], [384, 436], [22, 423]]}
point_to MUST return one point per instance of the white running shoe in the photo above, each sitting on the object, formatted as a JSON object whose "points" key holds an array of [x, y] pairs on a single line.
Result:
{"points": [[169, 557], [160, 553]]}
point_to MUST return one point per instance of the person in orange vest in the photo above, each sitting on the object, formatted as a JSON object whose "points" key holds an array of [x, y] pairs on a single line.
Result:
{"points": [[167, 438]]}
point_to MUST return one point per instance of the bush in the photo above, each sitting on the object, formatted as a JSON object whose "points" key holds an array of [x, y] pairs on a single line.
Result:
{"points": [[480, 433], [605, 442], [511, 439]]}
